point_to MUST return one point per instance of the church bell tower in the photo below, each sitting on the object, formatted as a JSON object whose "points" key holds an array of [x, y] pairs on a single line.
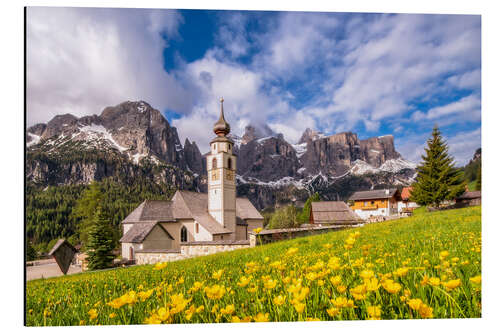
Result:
{"points": [[221, 167]]}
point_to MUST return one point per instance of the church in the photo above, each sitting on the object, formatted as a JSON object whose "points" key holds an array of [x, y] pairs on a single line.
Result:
{"points": [[192, 217]]}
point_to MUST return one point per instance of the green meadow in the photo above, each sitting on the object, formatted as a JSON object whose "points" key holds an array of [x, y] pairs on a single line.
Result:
{"points": [[425, 266]]}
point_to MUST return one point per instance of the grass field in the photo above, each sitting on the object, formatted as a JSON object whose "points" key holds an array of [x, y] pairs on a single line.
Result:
{"points": [[426, 266]]}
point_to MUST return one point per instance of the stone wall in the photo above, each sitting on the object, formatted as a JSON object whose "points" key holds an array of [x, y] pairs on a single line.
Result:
{"points": [[143, 257], [274, 235], [188, 250]]}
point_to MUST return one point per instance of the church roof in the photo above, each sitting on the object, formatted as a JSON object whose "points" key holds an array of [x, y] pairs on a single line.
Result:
{"points": [[139, 231], [221, 127], [152, 211], [332, 211], [245, 209], [186, 205]]}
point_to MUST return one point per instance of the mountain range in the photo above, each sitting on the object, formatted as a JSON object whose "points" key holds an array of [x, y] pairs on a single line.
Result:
{"points": [[133, 140]]}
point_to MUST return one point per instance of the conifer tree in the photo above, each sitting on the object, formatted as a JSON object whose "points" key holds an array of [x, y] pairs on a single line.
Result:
{"points": [[438, 179], [100, 242], [478, 179], [303, 217]]}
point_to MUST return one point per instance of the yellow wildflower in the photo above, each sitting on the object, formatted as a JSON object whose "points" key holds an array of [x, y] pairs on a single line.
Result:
{"points": [[452, 284], [476, 279], [434, 281], [341, 289], [257, 230], [402, 271], [159, 266], [279, 300], [336, 280], [391, 287], [270, 284], [92, 314], [332, 312], [425, 311], [415, 303], [443, 254], [215, 291], [372, 284], [291, 251], [228, 310], [299, 307], [374, 312], [217, 275], [244, 281], [260, 317], [367, 274]]}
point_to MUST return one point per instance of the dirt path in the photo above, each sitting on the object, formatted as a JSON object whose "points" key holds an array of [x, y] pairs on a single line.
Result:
{"points": [[48, 270]]}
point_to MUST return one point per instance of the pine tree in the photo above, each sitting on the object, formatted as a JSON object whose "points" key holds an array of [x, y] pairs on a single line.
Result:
{"points": [[478, 179], [438, 179], [85, 209], [100, 242]]}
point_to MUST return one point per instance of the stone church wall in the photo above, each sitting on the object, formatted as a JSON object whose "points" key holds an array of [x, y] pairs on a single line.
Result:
{"points": [[188, 250]]}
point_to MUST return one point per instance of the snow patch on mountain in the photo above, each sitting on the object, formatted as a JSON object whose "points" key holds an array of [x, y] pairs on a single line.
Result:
{"points": [[35, 139], [300, 148], [395, 165], [94, 131]]}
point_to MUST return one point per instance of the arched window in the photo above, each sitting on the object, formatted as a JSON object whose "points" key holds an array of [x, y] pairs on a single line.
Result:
{"points": [[229, 164], [214, 163], [184, 234], [197, 228]]}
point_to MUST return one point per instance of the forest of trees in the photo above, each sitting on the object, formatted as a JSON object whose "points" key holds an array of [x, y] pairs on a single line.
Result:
{"points": [[57, 212]]}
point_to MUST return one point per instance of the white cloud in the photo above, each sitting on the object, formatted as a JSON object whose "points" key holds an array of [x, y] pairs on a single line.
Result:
{"points": [[467, 80], [465, 105], [80, 60], [462, 145]]}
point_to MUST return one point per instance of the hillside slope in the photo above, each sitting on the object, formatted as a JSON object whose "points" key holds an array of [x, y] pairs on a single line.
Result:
{"points": [[376, 271]]}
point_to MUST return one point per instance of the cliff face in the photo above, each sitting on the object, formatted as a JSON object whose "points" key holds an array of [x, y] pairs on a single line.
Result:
{"points": [[267, 159]]}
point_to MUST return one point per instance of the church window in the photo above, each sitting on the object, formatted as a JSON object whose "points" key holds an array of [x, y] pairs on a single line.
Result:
{"points": [[184, 234], [229, 164], [214, 163], [197, 226]]}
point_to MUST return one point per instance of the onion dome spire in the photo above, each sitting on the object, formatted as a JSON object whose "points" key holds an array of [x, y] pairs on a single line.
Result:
{"points": [[221, 127]]}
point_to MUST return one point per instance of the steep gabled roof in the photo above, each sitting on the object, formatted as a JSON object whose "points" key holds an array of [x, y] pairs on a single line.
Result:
{"points": [[139, 231], [188, 204], [151, 211], [332, 212], [470, 195], [245, 210], [374, 194], [406, 193]]}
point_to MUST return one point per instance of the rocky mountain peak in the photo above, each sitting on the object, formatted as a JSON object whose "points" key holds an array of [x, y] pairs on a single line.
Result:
{"points": [[310, 135], [256, 132]]}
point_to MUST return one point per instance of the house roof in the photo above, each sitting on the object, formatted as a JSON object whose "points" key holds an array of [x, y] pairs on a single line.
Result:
{"points": [[406, 193], [332, 211], [139, 231], [470, 195], [188, 205], [60, 243], [374, 194]]}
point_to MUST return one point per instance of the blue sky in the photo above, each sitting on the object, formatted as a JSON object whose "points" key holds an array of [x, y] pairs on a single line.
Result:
{"points": [[373, 74]]}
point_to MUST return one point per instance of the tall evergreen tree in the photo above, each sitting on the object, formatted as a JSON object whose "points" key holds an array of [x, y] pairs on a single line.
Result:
{"points": [[478, 179], [438, 179], [100, 242], [85, 209]]}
